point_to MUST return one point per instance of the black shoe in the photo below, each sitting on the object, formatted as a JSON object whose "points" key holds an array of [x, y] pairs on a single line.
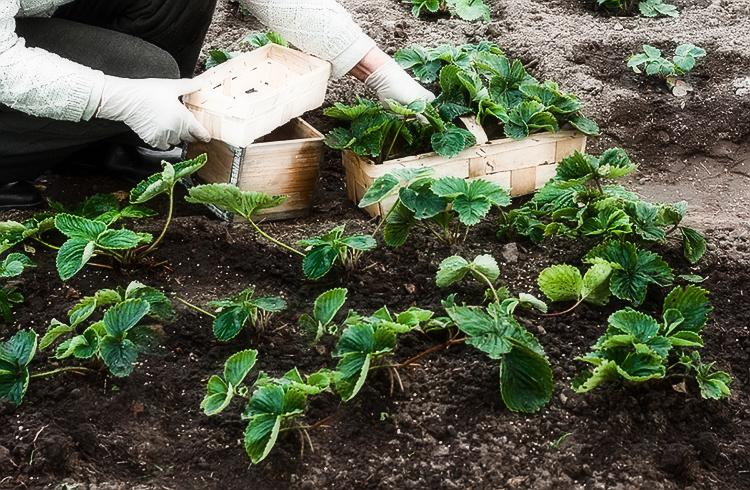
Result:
{"points": [[19, 195], [123, 162]]}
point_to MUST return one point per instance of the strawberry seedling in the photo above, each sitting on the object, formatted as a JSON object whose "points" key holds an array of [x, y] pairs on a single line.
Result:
{"points": [[579, 202], [446, 207], [637, 348], [325, 308], [469, 10], [321, 254], [382, 133], [13, 265], [647, 8], [652, 63], [233, 314]]}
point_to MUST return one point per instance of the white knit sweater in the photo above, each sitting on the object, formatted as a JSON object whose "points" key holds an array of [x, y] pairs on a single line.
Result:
{"points": [[43, 84]]}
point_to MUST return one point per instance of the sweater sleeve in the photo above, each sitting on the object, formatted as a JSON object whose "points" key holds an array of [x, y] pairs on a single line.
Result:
{"points": [[37, 82], [320, 27]]}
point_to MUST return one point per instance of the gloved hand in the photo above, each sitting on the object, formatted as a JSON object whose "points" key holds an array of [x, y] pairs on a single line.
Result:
{"points": [[390, 81], [151, 108]]}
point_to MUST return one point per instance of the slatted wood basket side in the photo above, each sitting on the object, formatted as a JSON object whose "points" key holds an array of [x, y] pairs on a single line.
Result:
{"points": [[286, 163], [519, 166], [250, 95]]}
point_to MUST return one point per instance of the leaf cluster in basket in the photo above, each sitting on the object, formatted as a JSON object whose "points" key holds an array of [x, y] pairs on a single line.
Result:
{"points": [[446, 207], [319, 255], [12, 265], [125, 326], [581, 201], [647, 8], [470, 10], [651, 61], [480, 79], [93, 229], [637, 347], [383, 132]]}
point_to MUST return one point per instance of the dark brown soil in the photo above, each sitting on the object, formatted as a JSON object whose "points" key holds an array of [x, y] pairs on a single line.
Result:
{"points": [[449, 428]]}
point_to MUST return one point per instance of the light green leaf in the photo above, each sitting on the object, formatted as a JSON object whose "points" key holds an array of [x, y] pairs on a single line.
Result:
{"points": [[237, 366], [561, 283], [73, 256], [119, 319], [119, 355], [525, 380]]}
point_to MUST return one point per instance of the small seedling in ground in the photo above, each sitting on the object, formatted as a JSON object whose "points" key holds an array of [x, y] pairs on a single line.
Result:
{"points": [[446, 207], [647, 8], [469, 10], [683, 61], [637, 348], [91, 237], [233, 314], [325, 308], [322, 253], [13, 265]]}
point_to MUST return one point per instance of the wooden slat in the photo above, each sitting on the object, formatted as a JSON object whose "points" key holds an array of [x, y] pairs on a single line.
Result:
{"points": [[522, 181]]}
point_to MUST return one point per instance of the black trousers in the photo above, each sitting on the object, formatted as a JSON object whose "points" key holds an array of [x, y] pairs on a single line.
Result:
{"points": [[124, 38]]}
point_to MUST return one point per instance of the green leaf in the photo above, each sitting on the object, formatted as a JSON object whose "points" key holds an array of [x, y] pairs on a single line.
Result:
{"points": [[576, 166], [14, 264], [470, 10], [56, 330], [76, 227], [641, 326], [160, 307], [119, 355], [237, 366], [73, 256], [118, 240], [328, 304], [452, 141], [319, 262], [596, 284], [692, 302], [398, 225], [422, 202], [525, 380], [218, 396], [585, 125], [492, 334], [714, 385], [19, 350], [228, 324], [230, 198], [124, 316], [452, 270], [561, 283], [694, 245]]}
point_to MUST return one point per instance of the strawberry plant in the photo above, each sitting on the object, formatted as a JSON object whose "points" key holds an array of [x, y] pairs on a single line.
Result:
{"points": [[321, 253], [446, 207], [16, 354], [654, 64], [325, 308], [647, 8], [272, 404], [373, 130], [479, 79], [580, 202], [233, 314], [120, 333], [470, 10], [637, 347], [12, 265], [215, 57]]}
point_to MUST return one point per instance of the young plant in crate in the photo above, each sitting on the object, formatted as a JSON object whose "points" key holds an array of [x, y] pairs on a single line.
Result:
{"points": [[379, 132], [637, 348], [445, 207], [651, 61], [481, 80], [321, 254]]}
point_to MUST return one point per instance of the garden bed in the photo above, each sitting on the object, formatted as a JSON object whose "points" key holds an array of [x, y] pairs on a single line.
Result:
{"points": [[449, 428]]}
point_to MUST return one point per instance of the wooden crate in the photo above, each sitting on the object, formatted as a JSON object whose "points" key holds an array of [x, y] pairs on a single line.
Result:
{"points": [[286, 162], [519, 166], [251, 95]]}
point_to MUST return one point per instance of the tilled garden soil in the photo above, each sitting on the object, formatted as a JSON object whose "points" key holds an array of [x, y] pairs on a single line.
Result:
{"points": [[448, 428]]}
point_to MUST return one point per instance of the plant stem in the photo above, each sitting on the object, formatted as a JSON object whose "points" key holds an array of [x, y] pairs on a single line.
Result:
{"points": [[564, 312], [196, 308], [48, 245], [431, 350], [317, 424], [384, 219], [487, 280], [101, 266], [170, 212], [72, 369], [393, 141], [275, 241]]}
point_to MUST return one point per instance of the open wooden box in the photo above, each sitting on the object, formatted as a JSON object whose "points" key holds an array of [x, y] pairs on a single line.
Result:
{"points": [[519, 166], [251, 95], [286, 161]]}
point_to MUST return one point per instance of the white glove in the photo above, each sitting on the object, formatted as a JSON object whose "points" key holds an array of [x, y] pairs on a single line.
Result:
{"points": [[390, 81], [151, 108]]}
